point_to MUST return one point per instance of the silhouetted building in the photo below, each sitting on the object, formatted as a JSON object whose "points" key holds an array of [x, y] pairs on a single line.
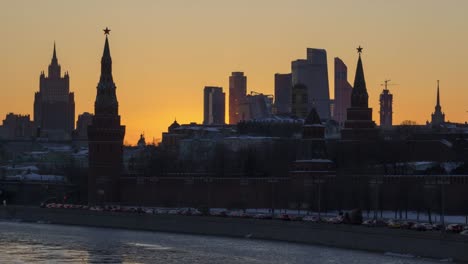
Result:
{"points": [[170, 139], [237, 93], [438, 117], [214, 102], [16, 127], [386, 108], [105, 137], [283, 94], [84, 121], [313, 138], [359, 124], [313, 73], [142, 141], [299, 102], [256, 106], [342, 92], [54, 105]]}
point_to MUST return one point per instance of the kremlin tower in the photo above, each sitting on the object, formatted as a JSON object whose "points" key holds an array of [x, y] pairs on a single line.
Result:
{"points": [[105, 136]]}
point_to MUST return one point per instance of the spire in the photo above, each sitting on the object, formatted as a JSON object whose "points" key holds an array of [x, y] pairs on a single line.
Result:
{"points": [[359, 96], [106, 99], [438, 117], [54, 56], [313, 118], [54, 67]]}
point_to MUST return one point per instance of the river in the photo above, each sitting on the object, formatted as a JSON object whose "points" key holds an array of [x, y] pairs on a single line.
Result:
{"points": [[44, 243]]}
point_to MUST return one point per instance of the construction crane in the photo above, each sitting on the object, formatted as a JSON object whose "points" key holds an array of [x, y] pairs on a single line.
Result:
{"points": [[386, 84]]}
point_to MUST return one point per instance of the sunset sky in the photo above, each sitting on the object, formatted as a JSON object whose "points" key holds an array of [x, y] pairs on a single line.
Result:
{"points": [[165, 52]]}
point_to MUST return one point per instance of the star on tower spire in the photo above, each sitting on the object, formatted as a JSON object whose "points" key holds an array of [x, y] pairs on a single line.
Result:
{"points": [[106, 31], [359, 50]]}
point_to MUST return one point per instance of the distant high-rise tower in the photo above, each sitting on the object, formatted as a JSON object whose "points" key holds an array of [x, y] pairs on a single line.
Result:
{"points": [[54, 105], [237, 94], [105, 137], [386, 107], [283, 95], [82, 124], [313, 73], [438, 117], [256, 106], [359, 124], [342, 92], [214, 101], [299, 102]]}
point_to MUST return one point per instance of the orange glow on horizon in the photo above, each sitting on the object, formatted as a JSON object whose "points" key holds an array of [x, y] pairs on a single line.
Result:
{"points": [[165, 52]]}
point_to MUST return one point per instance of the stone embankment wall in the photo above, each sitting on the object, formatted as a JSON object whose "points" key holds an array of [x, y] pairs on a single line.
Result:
{"points": [[426, 244]]}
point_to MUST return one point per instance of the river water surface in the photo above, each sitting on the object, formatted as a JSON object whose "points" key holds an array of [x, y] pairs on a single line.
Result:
{"points": [[44, 243]]}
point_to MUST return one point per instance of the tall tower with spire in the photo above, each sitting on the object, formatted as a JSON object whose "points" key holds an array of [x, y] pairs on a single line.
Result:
{"points": [[105, 138], [437, 118], [54, 105], [359, 124]]}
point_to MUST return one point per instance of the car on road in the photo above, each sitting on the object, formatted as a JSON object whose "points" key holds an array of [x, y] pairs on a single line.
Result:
{"points": [[419, 227], [262, 216], [310, 218], [393, 224], [455, 228]]}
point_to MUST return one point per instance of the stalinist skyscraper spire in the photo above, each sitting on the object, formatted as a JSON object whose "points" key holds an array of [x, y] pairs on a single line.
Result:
{"points": [[54, 104], [438, 118], [105, 136]]}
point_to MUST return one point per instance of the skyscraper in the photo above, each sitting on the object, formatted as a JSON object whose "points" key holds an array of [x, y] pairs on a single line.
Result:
{"points": [[342, 92], [299, 102], [359, 124], [237, 93], [313, 73], [438, 117], [283, 95], [386, 108], [54, 105], [105, 137], [214, 102]]}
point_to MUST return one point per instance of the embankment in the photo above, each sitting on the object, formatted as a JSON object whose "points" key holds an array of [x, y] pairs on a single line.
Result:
{"points": [[425, 244]]}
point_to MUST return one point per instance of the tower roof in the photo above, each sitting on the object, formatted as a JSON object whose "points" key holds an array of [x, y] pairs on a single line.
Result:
{"points": [[438, 96], [54, 67], [106, 99], [54, 56], [312, 118], [359, 96], [106, 53]]}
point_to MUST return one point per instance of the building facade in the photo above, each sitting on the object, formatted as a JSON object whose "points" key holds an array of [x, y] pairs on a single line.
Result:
{"points": [[105, 138], [256, 106], [54, 104], [237, 93], [386, 109], [342, 92], [214, 105], [313, 73], [283, 94], [16, 127], [82, 124], [299, 101]]}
